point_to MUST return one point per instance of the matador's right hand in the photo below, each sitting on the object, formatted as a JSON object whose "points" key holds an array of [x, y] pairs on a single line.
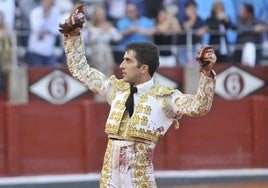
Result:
{"points": [[74, 23]]}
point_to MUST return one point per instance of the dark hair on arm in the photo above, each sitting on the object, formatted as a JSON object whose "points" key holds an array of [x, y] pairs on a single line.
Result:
{"points": [[146, 53]]}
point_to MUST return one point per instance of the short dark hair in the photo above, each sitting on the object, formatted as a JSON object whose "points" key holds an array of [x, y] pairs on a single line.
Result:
{"points": [[190, 3], [146, 53], [249, 8]]}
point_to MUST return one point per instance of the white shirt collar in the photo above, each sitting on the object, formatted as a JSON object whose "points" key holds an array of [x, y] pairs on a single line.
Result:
{"points": [[145, 86]]}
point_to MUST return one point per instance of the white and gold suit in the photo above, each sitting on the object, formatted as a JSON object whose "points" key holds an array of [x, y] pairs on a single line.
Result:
{"points": [[129, 154]]}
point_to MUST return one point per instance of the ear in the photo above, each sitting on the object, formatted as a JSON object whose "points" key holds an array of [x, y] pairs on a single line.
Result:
{"points": [[145, 68]]}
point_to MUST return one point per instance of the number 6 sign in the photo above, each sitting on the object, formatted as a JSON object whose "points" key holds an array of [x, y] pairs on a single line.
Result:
{"points": [[57, 87], [235, 83]]}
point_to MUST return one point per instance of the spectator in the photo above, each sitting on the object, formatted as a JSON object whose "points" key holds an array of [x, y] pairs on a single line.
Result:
{"points": [[181, 12], [152, 7], [5, 51], [115, 9], [25, 7], [65, 10], [167, 22], [101, 33], [191, 23], [249, 39], [8, 9], [44, 21], [141, 6], [165, 31], [218, 23], [133, 27]]}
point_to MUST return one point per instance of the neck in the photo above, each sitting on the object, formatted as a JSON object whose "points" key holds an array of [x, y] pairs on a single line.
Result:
{"points": [[143, 80]]}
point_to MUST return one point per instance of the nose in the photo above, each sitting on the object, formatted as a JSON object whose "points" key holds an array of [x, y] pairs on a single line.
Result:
{"points": [[122, 64]]}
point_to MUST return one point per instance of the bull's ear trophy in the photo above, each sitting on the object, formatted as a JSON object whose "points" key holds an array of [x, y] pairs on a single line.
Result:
{"points": [[206, 58], [202, 59], [74, 23]]}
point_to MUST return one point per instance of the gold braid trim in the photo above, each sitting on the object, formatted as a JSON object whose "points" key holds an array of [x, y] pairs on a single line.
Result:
{"points": [[78, 66]]}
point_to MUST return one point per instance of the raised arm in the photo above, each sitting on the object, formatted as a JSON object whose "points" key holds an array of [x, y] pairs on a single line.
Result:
{"points": [[75, 53], [194, 105], [199, 104]]}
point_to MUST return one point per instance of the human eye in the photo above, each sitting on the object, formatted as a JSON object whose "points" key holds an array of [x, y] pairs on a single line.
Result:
{"points": [[128, 60]]}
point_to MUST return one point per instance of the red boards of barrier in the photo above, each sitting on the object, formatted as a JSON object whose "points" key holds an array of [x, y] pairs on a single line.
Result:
{"points": [[40, 138], [2, 139]]}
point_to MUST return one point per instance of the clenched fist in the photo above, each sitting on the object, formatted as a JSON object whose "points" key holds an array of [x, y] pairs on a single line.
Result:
{"points": [[74, 23], [206, 58]]}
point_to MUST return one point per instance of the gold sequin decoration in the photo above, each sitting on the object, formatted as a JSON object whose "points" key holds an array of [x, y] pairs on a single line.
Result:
{"points": [[147, 110], [142, 166], [106, 167], [144, 121]]}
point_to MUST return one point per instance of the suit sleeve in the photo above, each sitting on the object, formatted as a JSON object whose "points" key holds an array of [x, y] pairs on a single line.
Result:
{"points": [[77, 64], [193, 105]]}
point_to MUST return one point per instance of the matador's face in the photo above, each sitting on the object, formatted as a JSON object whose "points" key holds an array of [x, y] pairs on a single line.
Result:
{"points": [[132, 72]]}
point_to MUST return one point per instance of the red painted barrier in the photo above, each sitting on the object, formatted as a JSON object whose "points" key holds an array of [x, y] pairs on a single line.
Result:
{"points": [[45, 139], [2, 140], [222, 139], [260, 134], [39, 138]]}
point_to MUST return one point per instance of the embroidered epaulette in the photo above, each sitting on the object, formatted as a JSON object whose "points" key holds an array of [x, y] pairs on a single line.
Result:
{"points": [[118, 83], [161, 90]]}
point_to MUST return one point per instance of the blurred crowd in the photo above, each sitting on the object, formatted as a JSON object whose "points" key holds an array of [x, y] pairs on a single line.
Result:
{"points": [[237, 29]]}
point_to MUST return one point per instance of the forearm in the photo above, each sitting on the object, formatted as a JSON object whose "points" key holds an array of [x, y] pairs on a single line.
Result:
{"points": [[78, 66], [195, 105]]}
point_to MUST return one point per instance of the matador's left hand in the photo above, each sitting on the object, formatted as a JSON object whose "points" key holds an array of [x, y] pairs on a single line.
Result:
{"points": [[206, 58]]}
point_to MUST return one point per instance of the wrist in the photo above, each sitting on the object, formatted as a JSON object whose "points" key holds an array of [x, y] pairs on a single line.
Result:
{"points": [[67, 35], [209, 73]]}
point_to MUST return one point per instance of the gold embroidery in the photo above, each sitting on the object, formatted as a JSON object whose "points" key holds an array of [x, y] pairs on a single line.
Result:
{"points": [[106, 168], [111, 128], [139, 108], [131, 130], [142, 163], [119, 83], [160, 90], [199, 104], [112, 94], [194, 105], [143, 98], [78, 67], [144, 121], [147, 110], [120, 105], [145, 134], [135, 119], [122, 133]]}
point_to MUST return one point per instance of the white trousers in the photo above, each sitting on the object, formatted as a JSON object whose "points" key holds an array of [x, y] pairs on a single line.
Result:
{"points": [[128, 164]]}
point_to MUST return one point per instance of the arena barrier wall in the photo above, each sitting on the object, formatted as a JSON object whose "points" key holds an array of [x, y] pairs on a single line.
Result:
{"points": [[3, 144], [40, 138]]}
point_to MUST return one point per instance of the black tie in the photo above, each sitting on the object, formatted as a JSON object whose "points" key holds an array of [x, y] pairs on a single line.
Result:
{"points": [[130, 100]]}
